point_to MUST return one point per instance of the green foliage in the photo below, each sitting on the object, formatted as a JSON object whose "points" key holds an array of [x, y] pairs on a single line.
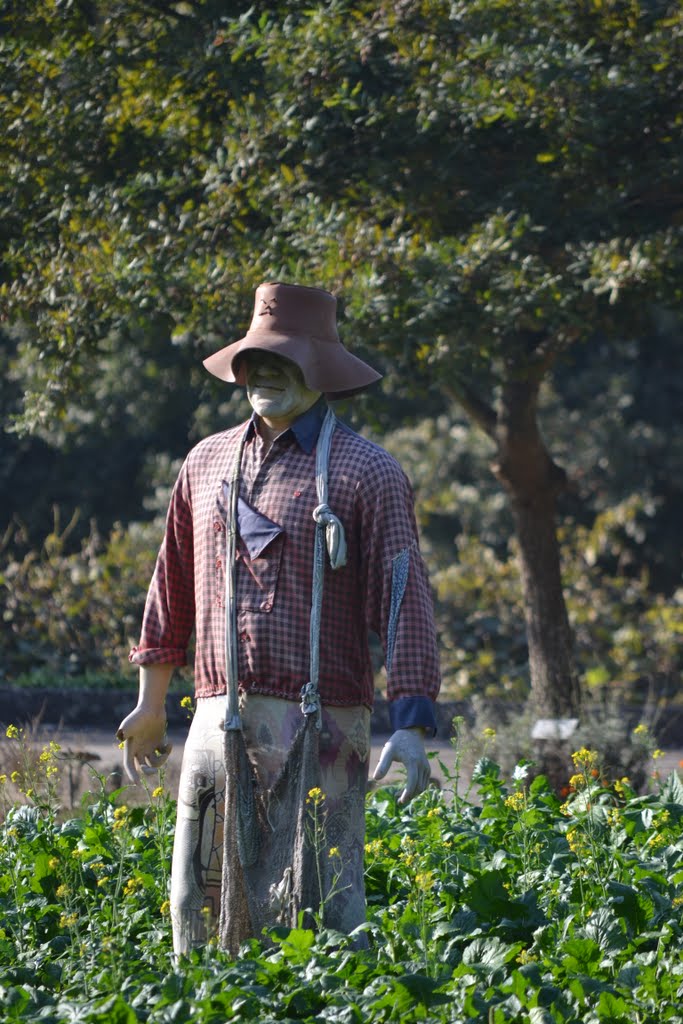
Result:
{"points": [[513, 907], [625, 636], [69, 614]]}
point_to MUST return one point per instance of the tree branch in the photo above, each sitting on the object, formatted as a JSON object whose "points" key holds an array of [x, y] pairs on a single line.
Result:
{"points": [[479, 411]]}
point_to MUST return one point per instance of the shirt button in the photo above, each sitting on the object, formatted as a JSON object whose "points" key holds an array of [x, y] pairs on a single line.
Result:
{"points": [[218, 526]]}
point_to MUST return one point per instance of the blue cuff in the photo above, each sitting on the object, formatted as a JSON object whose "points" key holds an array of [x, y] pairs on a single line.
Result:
{"points": [[406, 712]]}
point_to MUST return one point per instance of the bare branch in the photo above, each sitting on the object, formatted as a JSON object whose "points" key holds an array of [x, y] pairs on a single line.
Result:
{"points": [[479, 411]]}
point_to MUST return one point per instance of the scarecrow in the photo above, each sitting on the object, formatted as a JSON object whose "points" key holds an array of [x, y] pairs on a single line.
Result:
{"points": [[288, 540]]}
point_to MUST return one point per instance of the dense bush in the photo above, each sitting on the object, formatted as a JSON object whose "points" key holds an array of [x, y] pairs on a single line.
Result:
{"points": [[511, 907], [626, 637], [72, 613]]}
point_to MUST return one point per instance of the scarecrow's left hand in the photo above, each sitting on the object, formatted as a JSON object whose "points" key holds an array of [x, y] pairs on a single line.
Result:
{"points": [[406, 746]]}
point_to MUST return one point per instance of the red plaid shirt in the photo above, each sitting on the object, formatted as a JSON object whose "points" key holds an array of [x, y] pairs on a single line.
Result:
{"points": [[371, 495]]}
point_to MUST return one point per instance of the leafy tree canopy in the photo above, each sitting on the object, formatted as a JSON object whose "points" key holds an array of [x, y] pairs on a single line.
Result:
{"points": [[483, 182]]}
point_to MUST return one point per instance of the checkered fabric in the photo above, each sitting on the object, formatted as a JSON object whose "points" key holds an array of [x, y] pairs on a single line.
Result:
{"points": [[371, 495]]}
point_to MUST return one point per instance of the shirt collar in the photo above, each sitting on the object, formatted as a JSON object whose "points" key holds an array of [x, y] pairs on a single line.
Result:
{"points": [[306, 428]]}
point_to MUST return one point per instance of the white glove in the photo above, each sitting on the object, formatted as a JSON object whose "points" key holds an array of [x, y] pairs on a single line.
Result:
{"points": [[144, 743], [143, 731], [406, 746]]}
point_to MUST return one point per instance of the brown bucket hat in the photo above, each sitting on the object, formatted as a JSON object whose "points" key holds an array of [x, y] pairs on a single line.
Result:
{"points": [[299, 323]]}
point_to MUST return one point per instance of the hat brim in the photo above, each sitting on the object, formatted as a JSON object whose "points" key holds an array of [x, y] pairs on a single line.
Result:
{"points": [[326, 366]]}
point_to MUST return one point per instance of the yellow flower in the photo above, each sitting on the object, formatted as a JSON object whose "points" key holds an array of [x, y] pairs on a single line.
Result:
{"points": [[677, 901], [132, 885], [186, 702], [15, 777], [53, 863], [334, 851], [62, 892], [159, 791], [572, 839], [525, 957], [12, 732], [640, 730], [3, 780], [68, 920], [424, 881], [101, 882], [657, 840], [656, 754], [434, 812], [489, 734], [165, 907], [584, 758], [515, 801], [619, 787], [120, 812], [577, 782], [315, 796], [374, 847]]}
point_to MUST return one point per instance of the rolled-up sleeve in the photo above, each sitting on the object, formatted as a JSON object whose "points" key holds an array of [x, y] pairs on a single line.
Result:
{"points": [[169, 615], [399, 606]]}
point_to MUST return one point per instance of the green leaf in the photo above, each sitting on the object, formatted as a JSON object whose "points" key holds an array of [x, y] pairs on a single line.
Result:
{"points": [[296, 943], [580, 955], [613, 1009], [487, 954], [489, 898], [112, 1011], [672, 790]]}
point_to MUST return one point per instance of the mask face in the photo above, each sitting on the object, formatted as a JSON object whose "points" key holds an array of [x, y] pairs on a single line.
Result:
{"points": [[275, 387]]}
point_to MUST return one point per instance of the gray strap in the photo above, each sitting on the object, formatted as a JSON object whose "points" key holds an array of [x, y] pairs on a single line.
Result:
{"points": [[329, 533], [233, 721]]}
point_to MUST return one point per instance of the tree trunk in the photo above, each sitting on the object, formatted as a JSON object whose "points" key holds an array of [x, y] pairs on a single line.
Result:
{"points": [[533, 482]]}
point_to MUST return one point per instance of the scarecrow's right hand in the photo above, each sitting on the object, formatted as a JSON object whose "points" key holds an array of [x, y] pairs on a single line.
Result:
{"points": [[143, 733]]}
